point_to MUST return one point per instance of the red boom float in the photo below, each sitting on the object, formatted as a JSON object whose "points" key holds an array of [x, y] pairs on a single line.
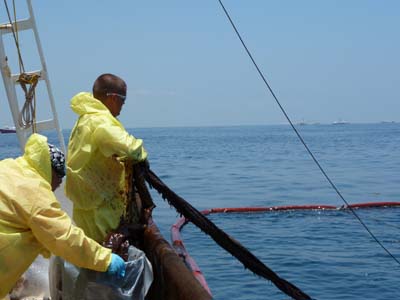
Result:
{"points": [[182, 252]]}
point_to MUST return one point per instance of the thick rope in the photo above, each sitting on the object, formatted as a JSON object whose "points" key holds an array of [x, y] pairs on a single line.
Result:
{"points": [[27, 116], [248, 260]]}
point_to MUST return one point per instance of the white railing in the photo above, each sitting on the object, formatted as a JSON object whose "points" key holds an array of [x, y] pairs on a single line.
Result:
{"points": [[11, 82]]}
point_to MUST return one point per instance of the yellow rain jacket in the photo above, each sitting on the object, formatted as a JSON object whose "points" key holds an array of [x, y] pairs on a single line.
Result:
{"points": [[32, 222], [97, 147]]}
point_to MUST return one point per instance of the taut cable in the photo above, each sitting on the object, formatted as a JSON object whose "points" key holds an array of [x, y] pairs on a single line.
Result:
{"points": [[302, 140]]}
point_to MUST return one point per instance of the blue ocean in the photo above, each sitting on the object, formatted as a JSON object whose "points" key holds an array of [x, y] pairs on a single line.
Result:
{"points": [[327, 254]]}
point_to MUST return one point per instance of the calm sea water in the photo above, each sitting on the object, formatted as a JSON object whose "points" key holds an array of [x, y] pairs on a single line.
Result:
{"points": [[327, 254]]}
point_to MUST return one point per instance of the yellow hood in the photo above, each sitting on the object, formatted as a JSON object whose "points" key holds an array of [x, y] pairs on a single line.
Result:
{"points": [[37, 155], [85, 103]]}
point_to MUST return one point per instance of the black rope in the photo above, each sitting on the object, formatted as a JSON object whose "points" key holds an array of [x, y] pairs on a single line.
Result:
{"points": [[301, 138], [248, 260]]}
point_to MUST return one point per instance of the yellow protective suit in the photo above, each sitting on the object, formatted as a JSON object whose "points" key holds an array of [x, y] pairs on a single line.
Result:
{"points": [[97, 147], [32, 222]]}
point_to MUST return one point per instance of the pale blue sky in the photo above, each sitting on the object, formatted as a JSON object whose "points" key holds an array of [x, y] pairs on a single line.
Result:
{"points": [[184, 65]]}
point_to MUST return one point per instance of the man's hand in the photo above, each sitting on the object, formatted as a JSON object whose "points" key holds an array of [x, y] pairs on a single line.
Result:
{"points": [[144, 166]]}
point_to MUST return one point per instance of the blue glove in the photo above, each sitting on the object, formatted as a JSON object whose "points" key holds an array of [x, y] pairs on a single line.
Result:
{"points": [[116, 267]]}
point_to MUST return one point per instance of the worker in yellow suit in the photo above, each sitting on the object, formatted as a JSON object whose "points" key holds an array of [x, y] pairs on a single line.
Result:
{"points": [[32, 222], [97, 149]]}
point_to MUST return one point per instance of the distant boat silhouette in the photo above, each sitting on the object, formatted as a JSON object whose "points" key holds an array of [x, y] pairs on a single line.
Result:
{"points": [[302, 122], [7, 129], [340, 122]]}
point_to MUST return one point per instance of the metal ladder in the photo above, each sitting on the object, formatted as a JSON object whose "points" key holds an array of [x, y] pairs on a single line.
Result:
{"points": [[10, 81]]}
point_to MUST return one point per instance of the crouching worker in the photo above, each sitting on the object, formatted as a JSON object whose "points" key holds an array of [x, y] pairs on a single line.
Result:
{"points": [[32, 221]]}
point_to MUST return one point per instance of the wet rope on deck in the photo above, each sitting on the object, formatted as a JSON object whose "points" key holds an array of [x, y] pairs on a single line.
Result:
{"points": [[249, 261]]}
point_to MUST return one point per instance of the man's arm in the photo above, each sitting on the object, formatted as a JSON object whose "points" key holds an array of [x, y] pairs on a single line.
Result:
{"points": [[54, 230], [114, 140]]}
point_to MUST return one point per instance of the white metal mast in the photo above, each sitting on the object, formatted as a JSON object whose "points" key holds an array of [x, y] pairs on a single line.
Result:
{"points": [[11, 81]]}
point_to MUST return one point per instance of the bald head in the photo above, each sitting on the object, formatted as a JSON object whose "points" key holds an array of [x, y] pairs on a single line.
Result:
{"points": [[108, 83]]}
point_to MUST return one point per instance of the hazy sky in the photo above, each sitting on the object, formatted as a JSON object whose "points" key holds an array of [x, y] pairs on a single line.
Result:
{"points": [[184, 65]]}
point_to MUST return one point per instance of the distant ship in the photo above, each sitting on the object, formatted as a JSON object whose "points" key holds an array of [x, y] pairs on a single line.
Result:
{"points": [[340, 122], [7, 129], [302, 123]]}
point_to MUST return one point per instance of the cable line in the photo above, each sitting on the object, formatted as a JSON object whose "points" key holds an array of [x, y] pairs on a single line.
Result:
{"points": [[15, 34], [301, 138]]}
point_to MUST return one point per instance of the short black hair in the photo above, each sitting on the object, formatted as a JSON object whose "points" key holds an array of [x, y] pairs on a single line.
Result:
{"points": [[108, 83]]}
